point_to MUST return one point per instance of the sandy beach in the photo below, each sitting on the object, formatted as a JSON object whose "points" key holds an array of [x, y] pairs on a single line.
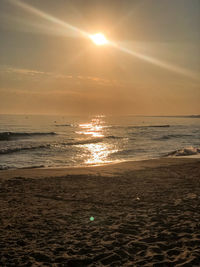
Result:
{"points": [[128, 214]]}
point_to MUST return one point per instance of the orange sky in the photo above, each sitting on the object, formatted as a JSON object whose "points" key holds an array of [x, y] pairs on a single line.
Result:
{"points": [[48, 68]]}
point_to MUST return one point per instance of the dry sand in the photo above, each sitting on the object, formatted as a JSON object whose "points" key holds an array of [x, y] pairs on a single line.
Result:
{"points": [[145, 214]]}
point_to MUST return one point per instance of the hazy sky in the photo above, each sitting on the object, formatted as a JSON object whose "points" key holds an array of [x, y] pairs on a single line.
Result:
{"points": [[47, 67]]}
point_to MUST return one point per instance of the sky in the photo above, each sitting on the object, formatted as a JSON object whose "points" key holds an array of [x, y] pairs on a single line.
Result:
{"points": [[151, 66]]}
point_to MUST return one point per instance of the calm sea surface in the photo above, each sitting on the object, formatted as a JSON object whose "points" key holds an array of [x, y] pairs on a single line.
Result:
{"points": [[59, 141]]}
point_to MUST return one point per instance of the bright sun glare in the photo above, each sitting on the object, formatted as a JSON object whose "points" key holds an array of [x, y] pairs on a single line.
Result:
{"points": [[99, 39]]}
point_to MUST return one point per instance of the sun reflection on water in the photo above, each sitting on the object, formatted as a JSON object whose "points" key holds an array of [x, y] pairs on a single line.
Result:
{"points": [[96, 153], [95, 128]]}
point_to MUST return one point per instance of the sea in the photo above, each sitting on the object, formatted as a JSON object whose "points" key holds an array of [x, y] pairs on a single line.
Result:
{"points": [[35, 141]]}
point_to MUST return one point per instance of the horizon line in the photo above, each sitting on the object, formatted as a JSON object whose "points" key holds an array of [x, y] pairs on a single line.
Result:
{"points": [[109, 115]]}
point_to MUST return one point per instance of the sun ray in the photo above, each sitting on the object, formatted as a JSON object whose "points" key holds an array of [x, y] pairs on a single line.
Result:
{"points": [[154, 61], [51, 18], [102, 40]]}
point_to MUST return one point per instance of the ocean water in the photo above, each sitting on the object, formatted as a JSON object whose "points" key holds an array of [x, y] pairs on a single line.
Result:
{"points": [[63, 141]]}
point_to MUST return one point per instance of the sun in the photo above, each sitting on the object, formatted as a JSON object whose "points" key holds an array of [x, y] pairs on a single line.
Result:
{"points": [[99, 39]]}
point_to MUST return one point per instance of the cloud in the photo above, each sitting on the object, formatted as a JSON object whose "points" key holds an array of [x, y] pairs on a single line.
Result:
{"points": [[24, 71], [21, 73]]}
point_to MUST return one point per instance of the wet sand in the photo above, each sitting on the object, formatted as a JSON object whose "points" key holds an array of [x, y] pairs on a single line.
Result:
{"points": [[129, 214]]}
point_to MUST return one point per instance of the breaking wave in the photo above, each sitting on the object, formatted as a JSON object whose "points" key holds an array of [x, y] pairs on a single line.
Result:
{"points": [[141, 126], [169, 136], [4, 151], [6, 136], [91, 141], [19, 149], [189, 151], [33, 167], [83, 142]]}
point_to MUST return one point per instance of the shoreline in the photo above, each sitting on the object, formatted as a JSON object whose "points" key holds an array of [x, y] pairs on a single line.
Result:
{"points": [[111, 169]]}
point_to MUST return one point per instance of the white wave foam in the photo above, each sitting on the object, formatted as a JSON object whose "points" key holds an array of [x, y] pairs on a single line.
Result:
{"points": [[188, 151]]}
